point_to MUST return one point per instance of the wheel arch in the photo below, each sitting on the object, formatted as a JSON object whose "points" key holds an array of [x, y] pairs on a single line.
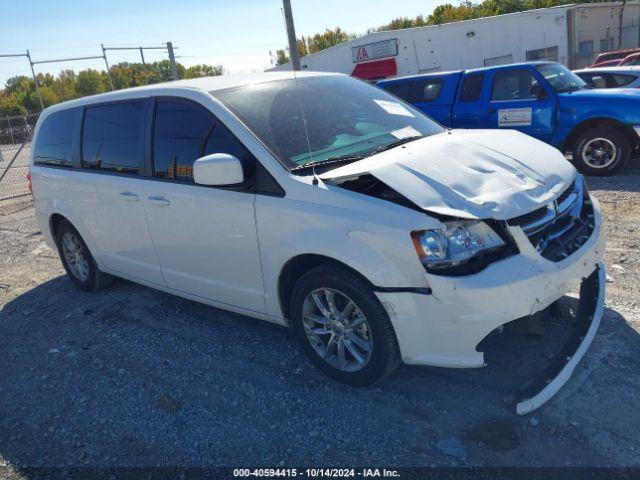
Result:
{"points": [[296, 267], [54, 221], [582, 127]]}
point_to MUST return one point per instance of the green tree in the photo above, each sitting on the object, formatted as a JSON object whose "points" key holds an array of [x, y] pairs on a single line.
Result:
{"points": [[90, 82], [281, 57], [322, 41]]}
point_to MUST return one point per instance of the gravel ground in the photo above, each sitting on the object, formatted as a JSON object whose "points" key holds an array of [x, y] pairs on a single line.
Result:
{"points": [[134, 377]]}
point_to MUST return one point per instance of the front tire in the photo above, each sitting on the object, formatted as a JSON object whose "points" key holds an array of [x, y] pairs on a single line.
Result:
{"points": [[342, 326], [601, 151], [78, 261]]}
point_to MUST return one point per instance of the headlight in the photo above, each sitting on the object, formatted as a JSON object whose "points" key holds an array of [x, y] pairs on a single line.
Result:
{"points": [[456, 244]]}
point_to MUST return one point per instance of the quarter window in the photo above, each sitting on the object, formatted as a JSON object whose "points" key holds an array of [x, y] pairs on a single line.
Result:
{"points": [[620, 80], [53, 144], [426, 90], [471, 88], [112, 137], [184, 132], [400, 90], [513, 85]]}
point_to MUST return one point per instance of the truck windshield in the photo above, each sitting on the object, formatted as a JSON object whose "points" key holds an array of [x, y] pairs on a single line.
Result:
{"points": [[561, 78], [324, 118]]}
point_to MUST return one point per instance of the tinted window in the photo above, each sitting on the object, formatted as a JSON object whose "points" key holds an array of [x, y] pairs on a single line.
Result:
{"points": [[401, 90], [426, 90], [594, 80], [471, 88], [53, 144], [184, 132], [620, 80], [112, 137], [179, 137], [513, 85]]}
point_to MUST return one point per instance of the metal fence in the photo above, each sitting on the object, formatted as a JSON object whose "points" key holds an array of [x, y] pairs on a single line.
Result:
{"points": [[15, 146]]}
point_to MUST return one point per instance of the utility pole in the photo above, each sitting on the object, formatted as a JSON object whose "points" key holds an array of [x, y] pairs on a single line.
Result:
{"points": [[291, 33], [172, 60]]}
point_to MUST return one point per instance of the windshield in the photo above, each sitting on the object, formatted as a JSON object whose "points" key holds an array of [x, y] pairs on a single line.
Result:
{"points": [[344, 117], [560, 77]]}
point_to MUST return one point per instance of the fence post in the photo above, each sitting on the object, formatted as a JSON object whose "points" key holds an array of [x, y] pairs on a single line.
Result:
{"points": [[35, 80], [172, 60], [10, 129], [104, 55]]}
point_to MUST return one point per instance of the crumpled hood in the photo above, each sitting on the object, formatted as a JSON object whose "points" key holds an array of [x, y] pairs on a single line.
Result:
{"points": [[497, 174]]}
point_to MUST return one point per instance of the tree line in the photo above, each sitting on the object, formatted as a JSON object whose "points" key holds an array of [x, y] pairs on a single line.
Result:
{"points": [[447, 13], [19, 96]]}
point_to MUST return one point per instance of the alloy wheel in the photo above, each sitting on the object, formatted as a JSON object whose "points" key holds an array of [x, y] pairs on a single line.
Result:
{"points": [[337, 329]]}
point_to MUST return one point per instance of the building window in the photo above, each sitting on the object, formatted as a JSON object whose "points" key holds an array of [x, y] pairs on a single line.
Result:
{"points": [[550, 53], [585, 49], [513, 85], [112, 137], [502, 60], [606, 44]]}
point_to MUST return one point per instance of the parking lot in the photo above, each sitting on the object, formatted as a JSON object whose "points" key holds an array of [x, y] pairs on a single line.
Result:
{"points": [[131, 376]]}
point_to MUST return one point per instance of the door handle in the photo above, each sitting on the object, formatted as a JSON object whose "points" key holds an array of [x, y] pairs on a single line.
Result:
{"points": [[158, 200], [129, 196], [491, 110]]}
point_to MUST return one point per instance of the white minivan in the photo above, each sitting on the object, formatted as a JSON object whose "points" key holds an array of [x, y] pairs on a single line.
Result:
{"points": [[324, 203]]}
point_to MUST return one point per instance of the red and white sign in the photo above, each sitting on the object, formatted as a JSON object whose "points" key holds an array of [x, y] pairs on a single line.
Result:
{"points": [[371, 51]]}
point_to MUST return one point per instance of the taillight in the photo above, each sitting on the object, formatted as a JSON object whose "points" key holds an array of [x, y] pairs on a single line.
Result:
{"points": [[29, 180]]}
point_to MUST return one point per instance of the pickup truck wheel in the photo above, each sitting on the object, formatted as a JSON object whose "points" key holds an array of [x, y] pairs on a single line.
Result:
{"points": [[78, 261], [342, 326], [601, 151]]}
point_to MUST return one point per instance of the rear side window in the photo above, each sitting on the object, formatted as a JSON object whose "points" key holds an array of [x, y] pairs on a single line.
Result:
{"points": [[112, 137], [426, 90], [513, 85], [471, 88], [401, 90], [184, 132], [53, 144], [620, 80]]}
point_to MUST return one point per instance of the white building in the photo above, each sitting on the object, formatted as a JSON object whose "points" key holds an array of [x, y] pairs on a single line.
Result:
{"points": [[570, 34]]}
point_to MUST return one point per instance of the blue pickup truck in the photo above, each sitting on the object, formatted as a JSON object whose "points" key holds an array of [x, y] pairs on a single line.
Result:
{"points": [[599, 127]]}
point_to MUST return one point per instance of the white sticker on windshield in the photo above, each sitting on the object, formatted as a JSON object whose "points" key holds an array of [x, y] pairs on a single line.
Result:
{"points": [[514, 117], [405, 132], [394, 108]]}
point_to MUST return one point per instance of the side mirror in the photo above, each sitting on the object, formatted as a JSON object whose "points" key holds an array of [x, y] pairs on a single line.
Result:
{"points": [[218, 169], [538, 92]]}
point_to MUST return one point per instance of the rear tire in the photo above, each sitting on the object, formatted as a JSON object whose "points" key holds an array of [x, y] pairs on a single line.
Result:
{"points": [[601, 151], [78, 261], [365, 349]]}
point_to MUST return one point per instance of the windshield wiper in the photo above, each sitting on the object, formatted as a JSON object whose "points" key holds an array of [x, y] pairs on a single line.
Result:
{"points": [[353, 158], [397, 143], [329, 161]]}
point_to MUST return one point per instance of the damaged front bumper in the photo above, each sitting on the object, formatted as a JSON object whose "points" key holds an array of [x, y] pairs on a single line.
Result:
{"points": [[444, 328], [540, 389]]}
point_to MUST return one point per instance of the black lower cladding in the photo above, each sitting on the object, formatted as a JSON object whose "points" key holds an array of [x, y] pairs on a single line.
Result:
{"points": [[585, 315], [566, 234]]}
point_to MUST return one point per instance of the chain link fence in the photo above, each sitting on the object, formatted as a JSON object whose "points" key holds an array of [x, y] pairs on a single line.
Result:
{"points": [[15, 145]]}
